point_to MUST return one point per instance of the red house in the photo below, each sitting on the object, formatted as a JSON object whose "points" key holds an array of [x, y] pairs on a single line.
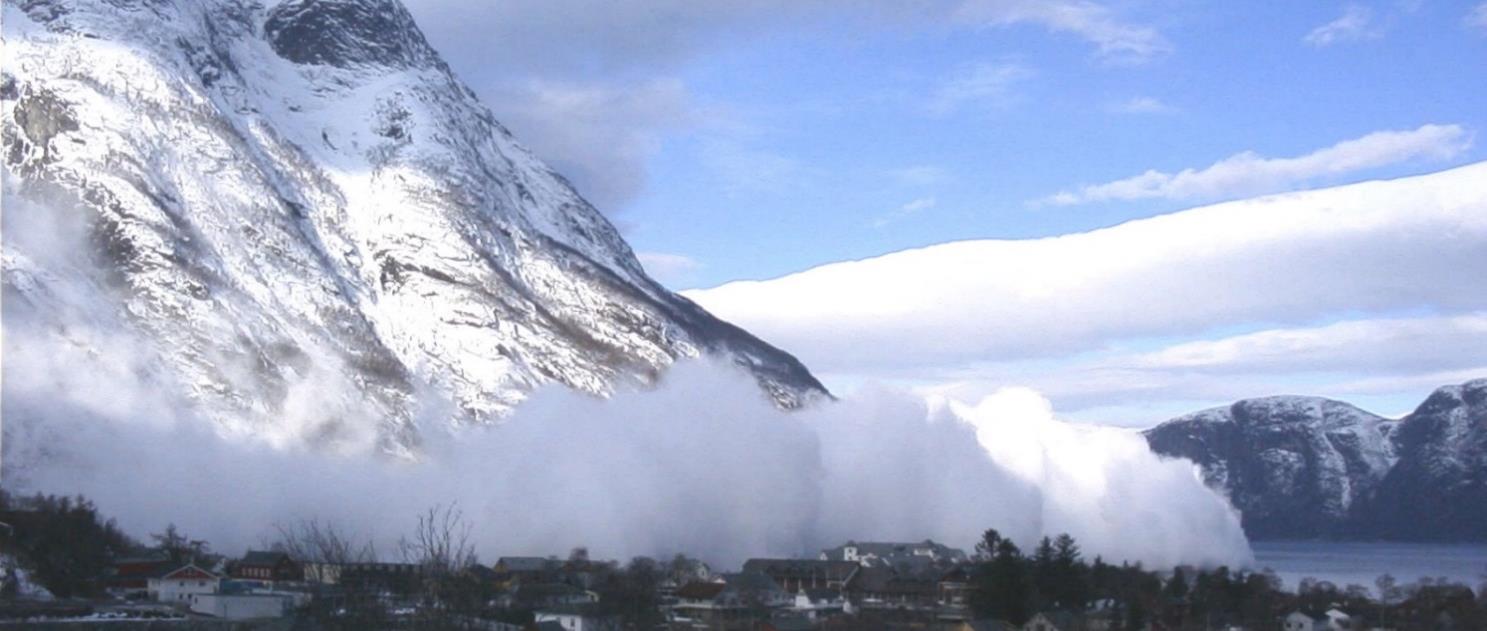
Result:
{"points": [[131, 576], [259, 565]]}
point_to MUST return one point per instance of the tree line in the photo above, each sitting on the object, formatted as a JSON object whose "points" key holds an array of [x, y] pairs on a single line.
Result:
{"points": [[1008, 584]]}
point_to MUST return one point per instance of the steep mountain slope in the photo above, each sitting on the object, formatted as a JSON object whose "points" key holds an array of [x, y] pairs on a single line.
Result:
{"points": [[1290, 464], [1303, 467], [1440, 483], [315, 225]]}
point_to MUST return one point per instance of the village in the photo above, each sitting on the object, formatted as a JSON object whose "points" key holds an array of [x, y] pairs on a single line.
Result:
{"points": [[66, 568]]}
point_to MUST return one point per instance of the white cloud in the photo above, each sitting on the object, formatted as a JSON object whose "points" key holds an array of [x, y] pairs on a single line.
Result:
{"points": [[1364, 248], [1118, 40], [670, 269], [988, 85], [1477, 17], [525, 58], [598, 136], [1388, 344], [1356, 23], [1142, 105], [1394, 362], [1249, 173]]}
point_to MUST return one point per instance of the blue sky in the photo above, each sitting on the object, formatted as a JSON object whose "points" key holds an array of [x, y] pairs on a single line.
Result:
{"points": [[755, 139]]}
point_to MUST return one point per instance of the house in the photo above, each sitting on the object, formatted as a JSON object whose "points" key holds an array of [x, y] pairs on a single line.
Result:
{"points": [[388, 578], [268, 566], [1330, 620], [795, 574], [548, 595], [178, 585], [526, 569], [733, 602], [1055, 621], [815, 604], [878, 553], [265, 566], [954, 587], [881, 587], [130, 577], [242, 606], [577, 618]]}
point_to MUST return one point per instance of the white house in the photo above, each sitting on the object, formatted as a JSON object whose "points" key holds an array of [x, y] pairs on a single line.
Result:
{"points": [[1332, 620], [241, 606], [576, 618], [178, 585]]}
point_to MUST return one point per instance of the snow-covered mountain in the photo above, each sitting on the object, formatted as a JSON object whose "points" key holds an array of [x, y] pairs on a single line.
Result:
{"points": [[1303, 467], [295, 199]]}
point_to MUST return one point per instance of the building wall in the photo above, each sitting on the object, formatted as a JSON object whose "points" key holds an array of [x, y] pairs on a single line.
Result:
{"points": [[180, 590], [239, 606]]}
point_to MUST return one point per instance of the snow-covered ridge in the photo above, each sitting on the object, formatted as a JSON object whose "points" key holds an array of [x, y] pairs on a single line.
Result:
{"points": [[1313, 467], [319, 229]]}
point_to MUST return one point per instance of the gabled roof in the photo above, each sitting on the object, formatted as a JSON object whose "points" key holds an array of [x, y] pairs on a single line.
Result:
{"points": [[1063, 620], [189, 570]]}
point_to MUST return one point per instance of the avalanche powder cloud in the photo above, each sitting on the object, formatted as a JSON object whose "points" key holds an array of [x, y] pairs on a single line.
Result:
{"points": [[701, 464]]}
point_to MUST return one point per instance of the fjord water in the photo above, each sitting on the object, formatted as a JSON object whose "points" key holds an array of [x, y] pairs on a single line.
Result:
{"points": [[1346, 563]]}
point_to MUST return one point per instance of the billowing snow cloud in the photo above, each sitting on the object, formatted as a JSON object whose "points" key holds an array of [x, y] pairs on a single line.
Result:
{"points": [[703, 464]]}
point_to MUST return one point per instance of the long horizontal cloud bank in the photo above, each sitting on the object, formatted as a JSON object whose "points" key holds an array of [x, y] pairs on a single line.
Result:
{"points": [[1376, 247]]}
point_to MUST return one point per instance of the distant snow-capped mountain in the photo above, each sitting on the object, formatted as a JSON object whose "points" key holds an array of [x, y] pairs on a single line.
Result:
{"points": [[1307, 467], [299, 194]]}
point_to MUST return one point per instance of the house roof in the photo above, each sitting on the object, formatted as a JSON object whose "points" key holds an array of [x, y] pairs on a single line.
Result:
{"points": [[892, 549], [803, 568], [264, 558], [700, 590], [140, 567], [1063, 620], [524, 564], [189, 570], [751, 581], [883, 580]]}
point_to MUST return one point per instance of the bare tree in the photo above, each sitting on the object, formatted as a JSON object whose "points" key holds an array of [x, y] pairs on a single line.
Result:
{"points": [[440, 545], [323, 548]]}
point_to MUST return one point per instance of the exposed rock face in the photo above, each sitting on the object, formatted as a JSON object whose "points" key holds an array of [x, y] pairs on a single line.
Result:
{"points": [[297, 200], [1439, 487], [1305, 467]]}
